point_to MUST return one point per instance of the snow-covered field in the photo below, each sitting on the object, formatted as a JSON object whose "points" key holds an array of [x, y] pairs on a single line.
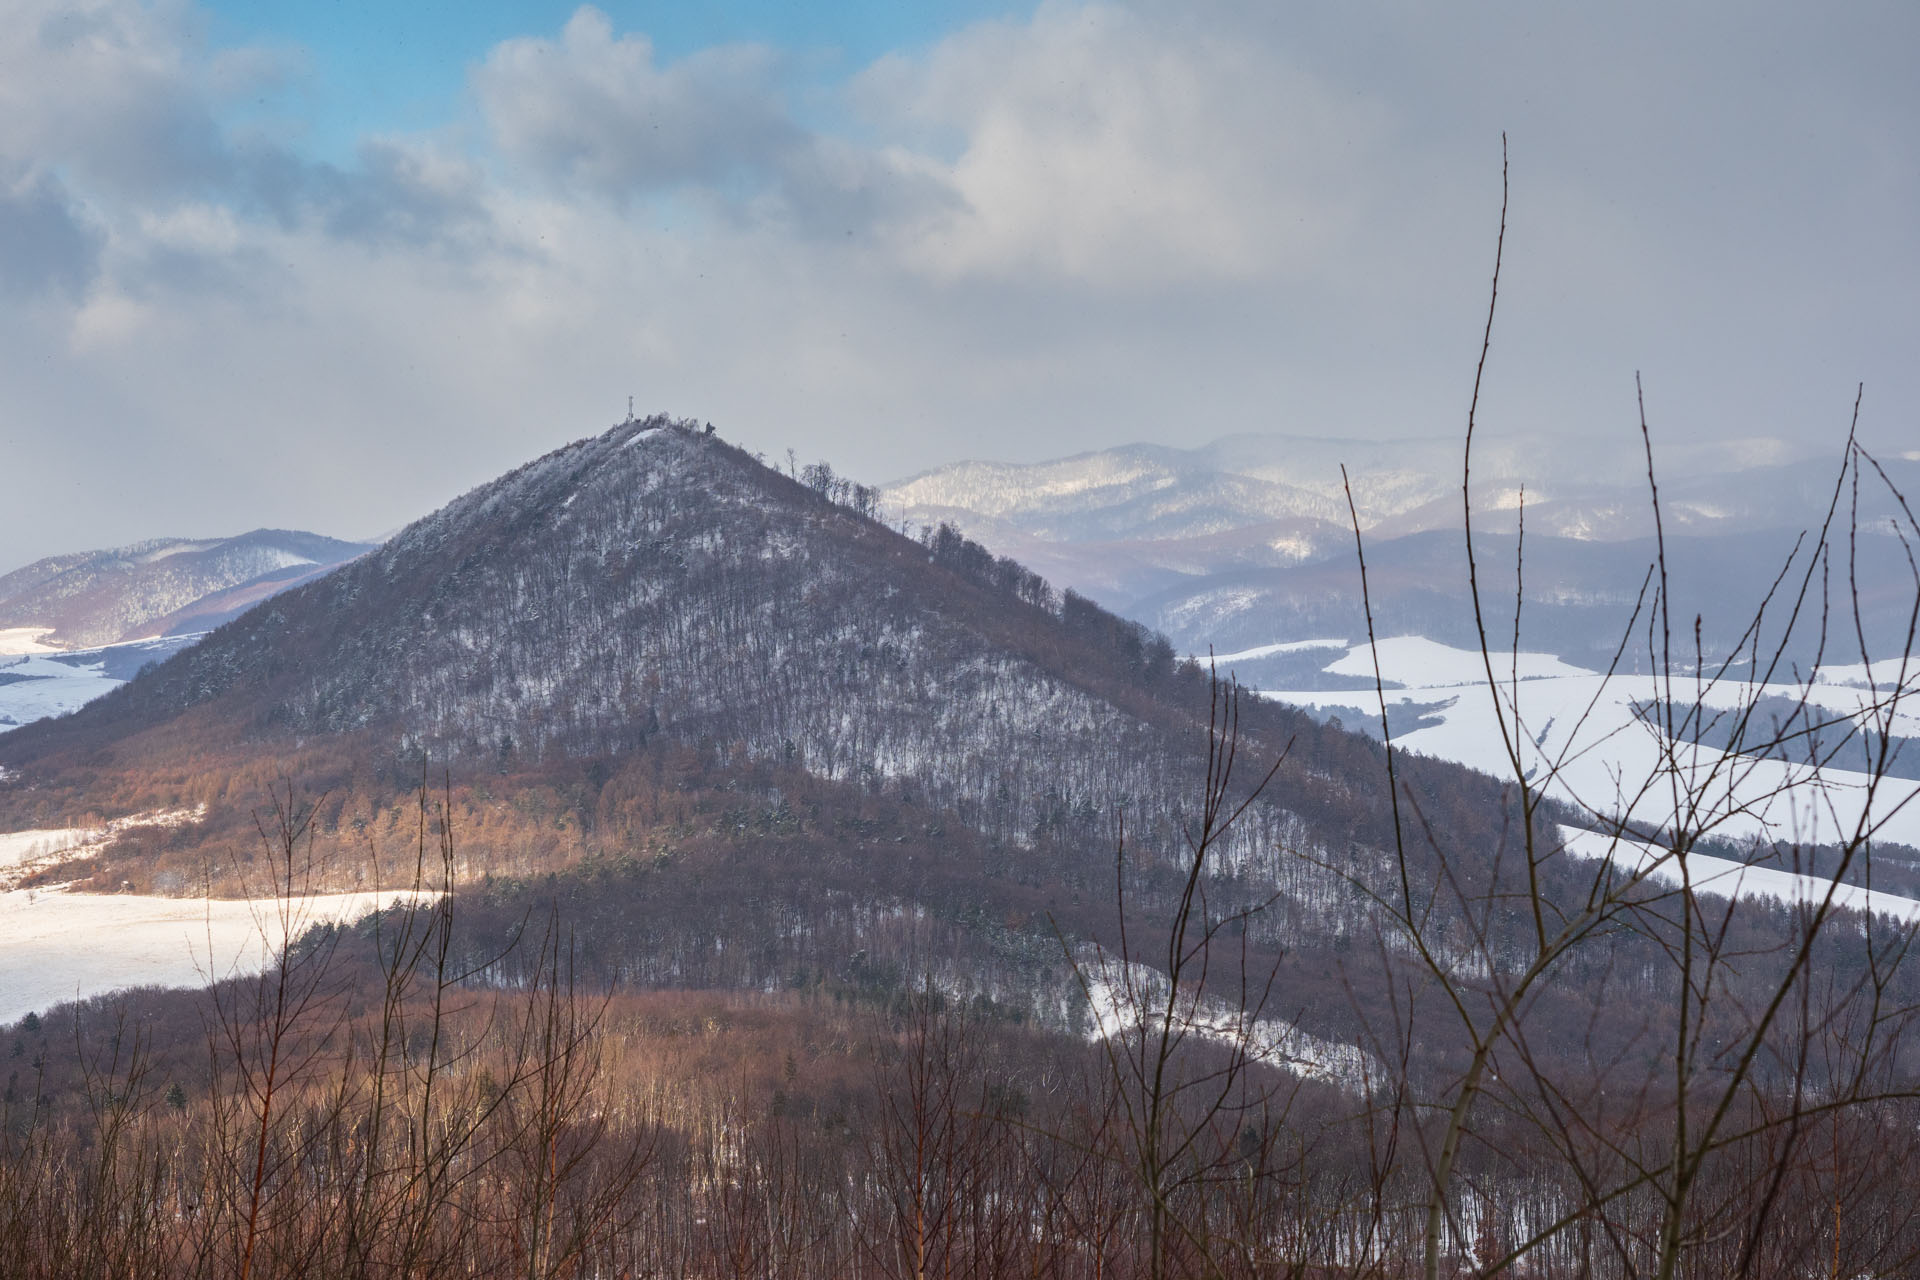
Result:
{"points": [[25, 640], [1580, 736], [37, 687], [1726, 878], [22, 847], [37, 681], [57, 946]]}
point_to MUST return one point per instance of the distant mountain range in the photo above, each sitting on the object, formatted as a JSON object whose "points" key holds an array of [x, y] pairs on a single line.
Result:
{"points": [[74, 627], [163, 587], [1581, 489], [1249, 540]]}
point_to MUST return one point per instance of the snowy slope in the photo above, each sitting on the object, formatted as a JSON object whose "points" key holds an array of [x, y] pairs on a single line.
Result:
{"points": [[1728, 879], [1120, 992]]}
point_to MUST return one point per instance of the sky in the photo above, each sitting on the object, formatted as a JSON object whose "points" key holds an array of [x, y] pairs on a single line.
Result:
{"points": [[327, 265]]}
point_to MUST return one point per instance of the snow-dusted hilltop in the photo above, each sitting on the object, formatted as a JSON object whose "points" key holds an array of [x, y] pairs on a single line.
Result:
{"points": [[165, 586], [656, 582]]}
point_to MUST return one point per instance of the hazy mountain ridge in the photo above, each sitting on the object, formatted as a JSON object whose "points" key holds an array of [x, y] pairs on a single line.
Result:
{"points": [[1133, 490], [1236, 574], [161, 586]]}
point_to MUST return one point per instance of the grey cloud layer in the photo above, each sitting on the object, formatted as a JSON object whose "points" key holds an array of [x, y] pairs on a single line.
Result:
{"points": [[45, 242], [592, 109], [1103, 223], [592, 114]]}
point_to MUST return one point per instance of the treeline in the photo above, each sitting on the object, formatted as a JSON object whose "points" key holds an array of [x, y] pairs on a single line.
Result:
{"points": [[390, 1125], [1138, 649], [862, 500]]}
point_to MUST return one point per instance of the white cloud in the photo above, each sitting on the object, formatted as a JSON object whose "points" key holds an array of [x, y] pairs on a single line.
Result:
{"points": [[107, 89], [108, 319], [592, 109], [1118, 145], [1111, 221]]}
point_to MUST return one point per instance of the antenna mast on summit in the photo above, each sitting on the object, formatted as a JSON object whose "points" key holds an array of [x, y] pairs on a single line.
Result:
{"points": [[629, 408]]}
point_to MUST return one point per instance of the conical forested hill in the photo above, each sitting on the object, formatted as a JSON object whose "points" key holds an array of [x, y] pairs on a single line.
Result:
{"points": [[655, 581], [654, 589]]}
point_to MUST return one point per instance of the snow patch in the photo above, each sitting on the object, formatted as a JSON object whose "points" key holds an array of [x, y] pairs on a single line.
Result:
{"points": [[171, 549], [1268, 650], [1418, 662], [1272, 1041]]}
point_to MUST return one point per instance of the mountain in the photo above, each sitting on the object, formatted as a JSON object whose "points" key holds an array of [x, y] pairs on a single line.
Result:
{"points": [[647, 581], [166, 586], [763, 714]]}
